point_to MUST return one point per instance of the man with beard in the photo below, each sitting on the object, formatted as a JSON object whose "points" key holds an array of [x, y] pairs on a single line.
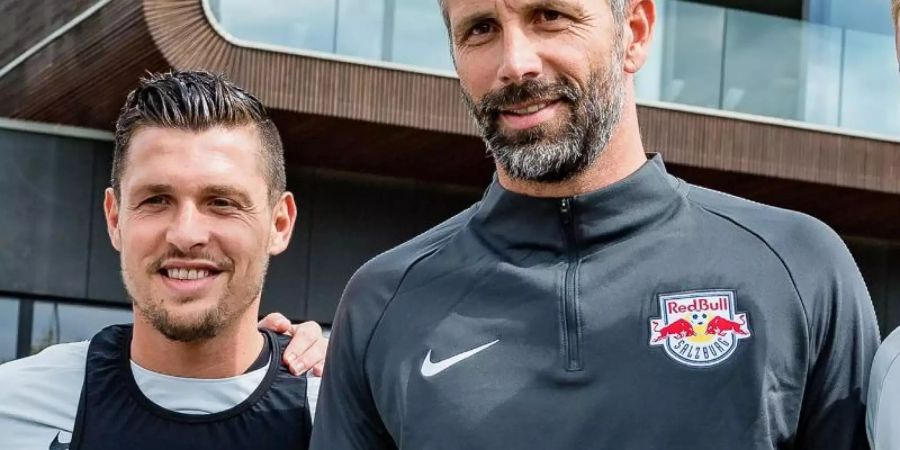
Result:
{"points": [[591, 300], [197, 206], [883, 409]]}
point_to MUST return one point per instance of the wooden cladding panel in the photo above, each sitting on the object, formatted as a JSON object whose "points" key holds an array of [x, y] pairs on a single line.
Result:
{"points": [[733, 145], [306, 84], [43, 18], [400, 122], [82, 77]]}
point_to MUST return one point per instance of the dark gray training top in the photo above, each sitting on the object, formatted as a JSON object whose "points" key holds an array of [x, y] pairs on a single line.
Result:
{"points": [[651, 314]]}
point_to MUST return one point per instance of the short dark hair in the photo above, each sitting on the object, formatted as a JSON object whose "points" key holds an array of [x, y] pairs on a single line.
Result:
{"points": [[197, 100]]}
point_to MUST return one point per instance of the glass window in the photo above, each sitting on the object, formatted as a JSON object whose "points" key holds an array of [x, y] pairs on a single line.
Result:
{"points": [[871, 86], [703, 55], [768, 60], [420, 36], [862, 15], [306, 24], [360, 28], [59, 322], [9, 324], [686, 68]]}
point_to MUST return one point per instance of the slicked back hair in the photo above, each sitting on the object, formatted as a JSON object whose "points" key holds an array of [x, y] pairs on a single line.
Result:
{"points": [[197, 101]]}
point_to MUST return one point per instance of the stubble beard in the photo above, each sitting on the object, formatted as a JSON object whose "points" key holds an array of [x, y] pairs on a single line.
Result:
{"points": [[563, 148], [207, 324]]}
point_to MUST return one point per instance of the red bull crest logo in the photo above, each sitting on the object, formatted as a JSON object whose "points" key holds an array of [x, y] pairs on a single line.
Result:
{"points": [[699, 329]]}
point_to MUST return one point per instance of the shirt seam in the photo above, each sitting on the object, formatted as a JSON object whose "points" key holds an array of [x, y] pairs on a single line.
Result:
{"points": [[784, 264], [387, 304]]}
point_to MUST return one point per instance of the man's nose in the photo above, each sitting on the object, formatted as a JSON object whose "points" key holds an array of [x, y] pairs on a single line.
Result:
{"points": [[521, 61], [188, 229]]}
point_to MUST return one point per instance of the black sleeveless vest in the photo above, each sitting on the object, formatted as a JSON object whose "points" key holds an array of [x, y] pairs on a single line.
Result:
{"points": [[114, 414]]}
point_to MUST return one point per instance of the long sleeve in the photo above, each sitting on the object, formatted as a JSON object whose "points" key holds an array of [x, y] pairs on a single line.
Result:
{"points": [[347, 417], [843, 340]]}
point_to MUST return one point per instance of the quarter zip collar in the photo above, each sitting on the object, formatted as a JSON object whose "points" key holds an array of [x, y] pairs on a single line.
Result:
{"points": [[512, 222]]}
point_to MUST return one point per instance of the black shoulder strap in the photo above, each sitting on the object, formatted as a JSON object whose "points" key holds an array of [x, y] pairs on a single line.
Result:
{"points": [[105, 350]]}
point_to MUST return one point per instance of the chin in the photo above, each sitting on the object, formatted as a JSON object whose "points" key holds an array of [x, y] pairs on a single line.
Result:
{"points": [[186, 319]]}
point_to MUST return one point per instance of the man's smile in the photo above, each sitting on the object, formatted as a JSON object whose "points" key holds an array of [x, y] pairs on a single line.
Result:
{"points": [[528, 115], [188, 278]]}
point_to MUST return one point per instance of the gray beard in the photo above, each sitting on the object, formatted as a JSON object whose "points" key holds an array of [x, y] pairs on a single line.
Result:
{"points": [[544, 155]]}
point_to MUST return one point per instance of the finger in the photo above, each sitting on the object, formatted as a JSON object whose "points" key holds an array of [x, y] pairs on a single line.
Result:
{"points": [[305, 335], [276, 322], [312, 356], [318, 369]]}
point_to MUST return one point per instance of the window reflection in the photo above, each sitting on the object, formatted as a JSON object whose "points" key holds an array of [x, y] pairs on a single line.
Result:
{"points": [[307, 24], [360, 26], [801, 62], [870, 87], [420, 37], [55, 323], [9, 323]]}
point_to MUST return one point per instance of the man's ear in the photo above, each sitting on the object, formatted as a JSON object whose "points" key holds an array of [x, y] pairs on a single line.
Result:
{"points": [[283, 220], [111, 211], [641, 20]]}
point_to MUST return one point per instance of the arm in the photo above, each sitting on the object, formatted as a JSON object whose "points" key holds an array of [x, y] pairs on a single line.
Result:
{"points": [[843, 337], [347, 417], [883, 408]]}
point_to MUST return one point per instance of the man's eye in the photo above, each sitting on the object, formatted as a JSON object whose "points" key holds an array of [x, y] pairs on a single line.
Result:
{"points": [[156, 200], [221, 203], [549, 15], [481, 29]]}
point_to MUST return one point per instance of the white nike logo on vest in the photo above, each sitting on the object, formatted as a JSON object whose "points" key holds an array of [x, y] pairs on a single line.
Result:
{"points": [[430, 369]]}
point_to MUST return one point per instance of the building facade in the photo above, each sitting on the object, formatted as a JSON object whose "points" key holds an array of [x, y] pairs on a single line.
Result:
{"points": [[793, 103]]}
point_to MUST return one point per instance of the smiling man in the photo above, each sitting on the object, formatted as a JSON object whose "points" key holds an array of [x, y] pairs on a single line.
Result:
{"points": [[196, 207], [591, 300]]}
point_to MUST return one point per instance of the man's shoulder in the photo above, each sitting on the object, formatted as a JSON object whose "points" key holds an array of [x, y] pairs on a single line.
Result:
{"points": [[388, 269], [884, 381], [39, 394], [373, 286], [796, 238], [67, 357], [885, 369]]}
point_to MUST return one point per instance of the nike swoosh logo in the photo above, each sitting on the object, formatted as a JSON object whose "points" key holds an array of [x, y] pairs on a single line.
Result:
{"points": [[56, 445], [430, 369]]}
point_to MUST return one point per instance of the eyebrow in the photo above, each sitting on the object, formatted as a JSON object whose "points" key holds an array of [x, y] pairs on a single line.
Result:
{"points": [[221, 190], [472, 19], [215, 190], [152, 189]]}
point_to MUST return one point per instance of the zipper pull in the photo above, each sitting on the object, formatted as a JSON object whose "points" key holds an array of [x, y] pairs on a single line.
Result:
{"points": [[565, 210]]}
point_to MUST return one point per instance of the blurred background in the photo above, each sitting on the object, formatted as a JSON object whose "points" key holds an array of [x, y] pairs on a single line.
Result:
{"points": [[794, 103]]}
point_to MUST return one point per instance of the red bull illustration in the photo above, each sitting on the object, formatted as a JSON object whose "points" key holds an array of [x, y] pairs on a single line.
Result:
{"points": [[680, 329], [699, 328]]}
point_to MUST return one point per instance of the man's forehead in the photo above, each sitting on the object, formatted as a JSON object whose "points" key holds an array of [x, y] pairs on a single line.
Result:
{"points": [[459, 8], [167, 139], [188, 159]]}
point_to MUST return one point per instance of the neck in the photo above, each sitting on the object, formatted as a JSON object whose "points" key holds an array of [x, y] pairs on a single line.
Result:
{"points": [[622, 156], [228, 354]]}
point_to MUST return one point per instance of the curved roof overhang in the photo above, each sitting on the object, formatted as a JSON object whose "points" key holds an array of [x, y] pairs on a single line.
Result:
{"points": [[377, 118]]}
